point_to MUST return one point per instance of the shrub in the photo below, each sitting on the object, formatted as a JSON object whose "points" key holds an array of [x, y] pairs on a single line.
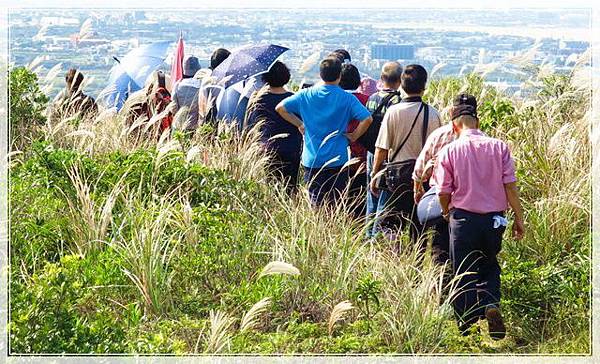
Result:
{"points": [[168, 239], [27, 105]]}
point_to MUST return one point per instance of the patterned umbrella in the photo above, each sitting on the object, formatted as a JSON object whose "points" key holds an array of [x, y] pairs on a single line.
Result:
{"points": [[246, 62]]}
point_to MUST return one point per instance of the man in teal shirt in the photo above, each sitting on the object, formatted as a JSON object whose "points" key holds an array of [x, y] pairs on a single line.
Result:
{"points": [[325, 112]]}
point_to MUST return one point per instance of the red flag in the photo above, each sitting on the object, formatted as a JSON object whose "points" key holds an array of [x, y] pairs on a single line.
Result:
{"points": [[177, 64]]}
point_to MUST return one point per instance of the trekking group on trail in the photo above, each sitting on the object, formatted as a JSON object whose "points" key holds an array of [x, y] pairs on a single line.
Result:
{"points": [[374, 148]]}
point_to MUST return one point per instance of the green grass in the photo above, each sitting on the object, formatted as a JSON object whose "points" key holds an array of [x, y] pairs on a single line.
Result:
{"points": [[124, 245]]}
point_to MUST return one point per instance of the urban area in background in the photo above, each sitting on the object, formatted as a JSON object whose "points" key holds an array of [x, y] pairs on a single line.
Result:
{"points": [[450, 41]]}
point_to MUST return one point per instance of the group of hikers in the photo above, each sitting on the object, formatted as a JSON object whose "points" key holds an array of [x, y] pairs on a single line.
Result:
{"points": [[378, 148]]}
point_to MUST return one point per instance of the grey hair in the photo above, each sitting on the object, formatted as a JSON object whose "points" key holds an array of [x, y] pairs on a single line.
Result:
{"points": [[391, 72]]}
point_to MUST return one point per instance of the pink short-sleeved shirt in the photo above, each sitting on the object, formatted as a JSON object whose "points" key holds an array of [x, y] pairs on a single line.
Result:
{"points": [[474, 170]]}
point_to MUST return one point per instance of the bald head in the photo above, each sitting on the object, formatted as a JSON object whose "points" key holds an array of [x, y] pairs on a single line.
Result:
{"points": [[391, 73]]}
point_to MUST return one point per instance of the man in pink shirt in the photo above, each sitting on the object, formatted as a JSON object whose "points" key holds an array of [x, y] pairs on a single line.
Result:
{"points": [[476, 183]]}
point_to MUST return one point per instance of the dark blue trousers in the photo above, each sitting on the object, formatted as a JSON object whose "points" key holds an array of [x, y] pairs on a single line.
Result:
{"points": [[474, 244], [325, 185], [285, 166]]}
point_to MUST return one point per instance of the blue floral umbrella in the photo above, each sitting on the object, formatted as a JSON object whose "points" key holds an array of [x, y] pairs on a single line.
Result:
{"points": [[131, 72], [246, 62]]}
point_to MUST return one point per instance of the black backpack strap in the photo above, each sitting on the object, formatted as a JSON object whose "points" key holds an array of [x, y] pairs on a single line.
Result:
{"points": [[385, 101], [425, 123], [409, 132]]}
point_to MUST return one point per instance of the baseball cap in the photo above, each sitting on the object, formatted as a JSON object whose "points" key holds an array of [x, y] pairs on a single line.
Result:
{"points": [[463, 104]]}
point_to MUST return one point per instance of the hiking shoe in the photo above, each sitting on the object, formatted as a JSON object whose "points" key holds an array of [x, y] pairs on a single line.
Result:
{"points": [[496, 326]]}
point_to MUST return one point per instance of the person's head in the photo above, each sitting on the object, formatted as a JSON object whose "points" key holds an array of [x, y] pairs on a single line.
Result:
{"points": [[368, 86], [341, 54], [218, 57], [73, 78], [330, 70], [464, 113], [278, 75], [413, 79], [391, 75], [349, 77], [191, 65]]}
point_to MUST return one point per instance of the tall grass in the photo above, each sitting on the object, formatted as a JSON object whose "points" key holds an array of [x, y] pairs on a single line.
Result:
{"points": [[322, 252], [146, 243]]}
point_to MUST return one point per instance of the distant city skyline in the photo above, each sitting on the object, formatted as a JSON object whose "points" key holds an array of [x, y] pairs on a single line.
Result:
{"points": [[384, 4], [445, 37]]}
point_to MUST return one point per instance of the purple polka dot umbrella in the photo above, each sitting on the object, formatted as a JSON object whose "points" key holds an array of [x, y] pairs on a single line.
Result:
{"points": [[247, 61]]}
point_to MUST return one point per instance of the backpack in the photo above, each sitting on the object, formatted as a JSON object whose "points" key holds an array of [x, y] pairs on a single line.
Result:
{"points": [[369, 138], [160, 100]]}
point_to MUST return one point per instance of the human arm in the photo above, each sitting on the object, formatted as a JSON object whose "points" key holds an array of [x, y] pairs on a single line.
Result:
{"points": [[289, 109], [289, 117], [509, 180], [382, 146], [358, 112], [360, 129], [444, 177], [512, 195], [418, 190], [423, 162], [445, 204]]}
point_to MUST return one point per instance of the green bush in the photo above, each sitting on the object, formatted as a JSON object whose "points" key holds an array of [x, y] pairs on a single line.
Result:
{"points": [[58, 311], [27, 105], [77, 288]]}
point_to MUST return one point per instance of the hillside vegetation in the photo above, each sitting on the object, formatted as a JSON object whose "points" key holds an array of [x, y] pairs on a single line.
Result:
{"points": [[181, 246]]}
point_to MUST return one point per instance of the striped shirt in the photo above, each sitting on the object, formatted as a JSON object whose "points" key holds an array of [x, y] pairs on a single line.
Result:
{"points": [[377, 98], [438, 139]]}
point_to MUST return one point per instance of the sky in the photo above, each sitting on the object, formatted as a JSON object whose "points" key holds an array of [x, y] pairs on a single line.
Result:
{"points": [[304, 4]]}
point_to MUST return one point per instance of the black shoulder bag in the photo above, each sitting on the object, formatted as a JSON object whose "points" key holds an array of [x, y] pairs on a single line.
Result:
{"points": [[399, 174]]}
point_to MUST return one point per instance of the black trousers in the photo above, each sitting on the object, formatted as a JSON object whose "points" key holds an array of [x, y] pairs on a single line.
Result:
{"points": [[400, 212], [325, 185], [356, 194], [285, 166], [440, 245], [474, 245]]}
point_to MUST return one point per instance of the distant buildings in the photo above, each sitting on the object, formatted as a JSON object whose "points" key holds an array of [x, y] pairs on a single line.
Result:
{"points": [[392, 51], [47, 21], [89, 39], [80, 43], [571, 46], [139, 15]]}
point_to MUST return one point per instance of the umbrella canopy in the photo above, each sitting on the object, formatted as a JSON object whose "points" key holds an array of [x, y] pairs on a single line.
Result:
{"points": [[130, 74], [177, 64], [120, 86], [246, 62]]}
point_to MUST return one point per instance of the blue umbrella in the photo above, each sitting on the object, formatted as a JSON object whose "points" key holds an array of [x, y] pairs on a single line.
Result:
{"points": [[130, 74], [246, 62]]}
